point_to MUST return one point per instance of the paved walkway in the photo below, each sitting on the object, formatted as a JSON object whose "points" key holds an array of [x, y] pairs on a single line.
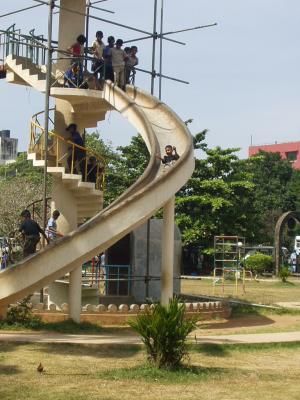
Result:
{"points": [[129, 340]]}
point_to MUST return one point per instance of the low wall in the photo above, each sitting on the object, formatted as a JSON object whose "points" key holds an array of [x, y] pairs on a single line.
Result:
{"points": [[114, 315]]}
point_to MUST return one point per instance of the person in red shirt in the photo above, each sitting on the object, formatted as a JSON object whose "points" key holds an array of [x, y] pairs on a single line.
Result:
{"points": [[77, 48], [77, 51]]}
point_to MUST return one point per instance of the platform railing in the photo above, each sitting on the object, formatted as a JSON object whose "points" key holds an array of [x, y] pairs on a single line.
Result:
{"points": [[31, 48], [63, 152]]}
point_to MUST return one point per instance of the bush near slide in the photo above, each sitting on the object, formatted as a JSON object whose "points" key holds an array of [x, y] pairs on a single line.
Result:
{"points": [[259, 263], [21, 315], [164, 331], [284, 273]]}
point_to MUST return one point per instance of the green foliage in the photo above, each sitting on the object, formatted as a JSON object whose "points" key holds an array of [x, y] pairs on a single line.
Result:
{"points": [[129, 163], [69, 326], [18, 190], [284, 273], [149, 373], [259, 262], [22, 168], [164, 332], [94, 142], [124, 165], [21, 315], [217, 199], [274, 191]]}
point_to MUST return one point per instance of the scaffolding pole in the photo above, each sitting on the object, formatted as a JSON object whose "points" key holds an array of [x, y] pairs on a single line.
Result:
{"points": [[51, 5]]}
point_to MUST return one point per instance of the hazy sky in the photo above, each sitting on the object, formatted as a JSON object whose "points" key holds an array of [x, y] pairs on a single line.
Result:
{"points": [[243, 73]]}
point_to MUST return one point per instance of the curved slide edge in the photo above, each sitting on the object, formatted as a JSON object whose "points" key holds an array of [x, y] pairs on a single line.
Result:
{"points": [[130, 210]]}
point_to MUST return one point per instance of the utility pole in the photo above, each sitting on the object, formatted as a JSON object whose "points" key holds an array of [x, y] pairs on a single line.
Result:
{"points": [[161, 47], [87, 26], [154, 38], [51, 5]]}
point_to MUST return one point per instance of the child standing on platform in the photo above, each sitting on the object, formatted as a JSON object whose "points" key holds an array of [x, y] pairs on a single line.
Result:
{"points": [[118, 57]]}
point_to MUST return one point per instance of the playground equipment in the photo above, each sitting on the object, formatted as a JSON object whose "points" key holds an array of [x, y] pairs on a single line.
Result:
{"points": [[229, 251], [77, 199], [231, 277]]}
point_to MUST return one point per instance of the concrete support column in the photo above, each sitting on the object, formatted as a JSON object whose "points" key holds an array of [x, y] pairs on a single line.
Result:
{"points": [[71, 25], [167, 267], [65, 202], [3, 312], [75, 294]]}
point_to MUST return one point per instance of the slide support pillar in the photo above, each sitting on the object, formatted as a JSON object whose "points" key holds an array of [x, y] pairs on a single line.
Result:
{"points": [[3, 311], [75, 294], [167, 268]]}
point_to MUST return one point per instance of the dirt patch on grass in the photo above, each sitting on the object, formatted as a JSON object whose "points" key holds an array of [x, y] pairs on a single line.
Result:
{"points": [[251, 324]]}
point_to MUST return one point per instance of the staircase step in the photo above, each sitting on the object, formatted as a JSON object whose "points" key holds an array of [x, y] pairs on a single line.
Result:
{"points": [[38, 163], [57, 171]]}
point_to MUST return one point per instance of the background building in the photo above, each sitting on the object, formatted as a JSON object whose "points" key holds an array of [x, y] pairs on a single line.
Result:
{"points": [[289, 151], [8, 147]]}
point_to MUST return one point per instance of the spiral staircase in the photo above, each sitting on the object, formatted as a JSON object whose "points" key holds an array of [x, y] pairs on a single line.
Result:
{"points": [[157, 124]]}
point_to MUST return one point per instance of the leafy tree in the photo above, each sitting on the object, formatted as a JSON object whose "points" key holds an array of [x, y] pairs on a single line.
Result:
{"points": [[293, 190], [18, 190], [274, 191], [94, 142], [217, 199], [126, 167]]}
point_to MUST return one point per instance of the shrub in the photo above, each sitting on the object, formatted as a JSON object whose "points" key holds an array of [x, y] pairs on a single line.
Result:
{"points": [[284, 273], [259, 263], [164, 332], [21, 315]]}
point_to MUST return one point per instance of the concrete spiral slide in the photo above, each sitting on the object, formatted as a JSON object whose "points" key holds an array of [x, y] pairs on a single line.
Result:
{"points": [[159, 126]]}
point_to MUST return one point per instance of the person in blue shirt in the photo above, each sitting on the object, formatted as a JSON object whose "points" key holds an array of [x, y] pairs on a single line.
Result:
{"points": [[79, 152], [108, 68]]}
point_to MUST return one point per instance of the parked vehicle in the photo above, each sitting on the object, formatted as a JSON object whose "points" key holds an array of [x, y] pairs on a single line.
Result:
{"points": [[297, 245]]}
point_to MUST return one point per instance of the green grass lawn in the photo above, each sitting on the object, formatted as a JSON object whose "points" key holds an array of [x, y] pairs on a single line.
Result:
{"points": [[75, 372], [264, 292]]}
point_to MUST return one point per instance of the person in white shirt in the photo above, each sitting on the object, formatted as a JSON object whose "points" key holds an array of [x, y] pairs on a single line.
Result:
{"points": [[98, 48], [51, 230], [118, 57]]}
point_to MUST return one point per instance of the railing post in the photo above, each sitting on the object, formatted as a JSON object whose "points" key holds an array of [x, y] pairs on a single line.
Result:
{"points": [[57, 147], [85, 169], [72, 164], [47, 95]]}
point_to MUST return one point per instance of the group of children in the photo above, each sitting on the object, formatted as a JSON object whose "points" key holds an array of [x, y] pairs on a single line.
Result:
{"points": [[109, 62]]}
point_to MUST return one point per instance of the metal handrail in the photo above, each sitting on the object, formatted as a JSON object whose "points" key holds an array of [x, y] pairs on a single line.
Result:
{"points": [[33, 205], [27, 46], [36, 146]]}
